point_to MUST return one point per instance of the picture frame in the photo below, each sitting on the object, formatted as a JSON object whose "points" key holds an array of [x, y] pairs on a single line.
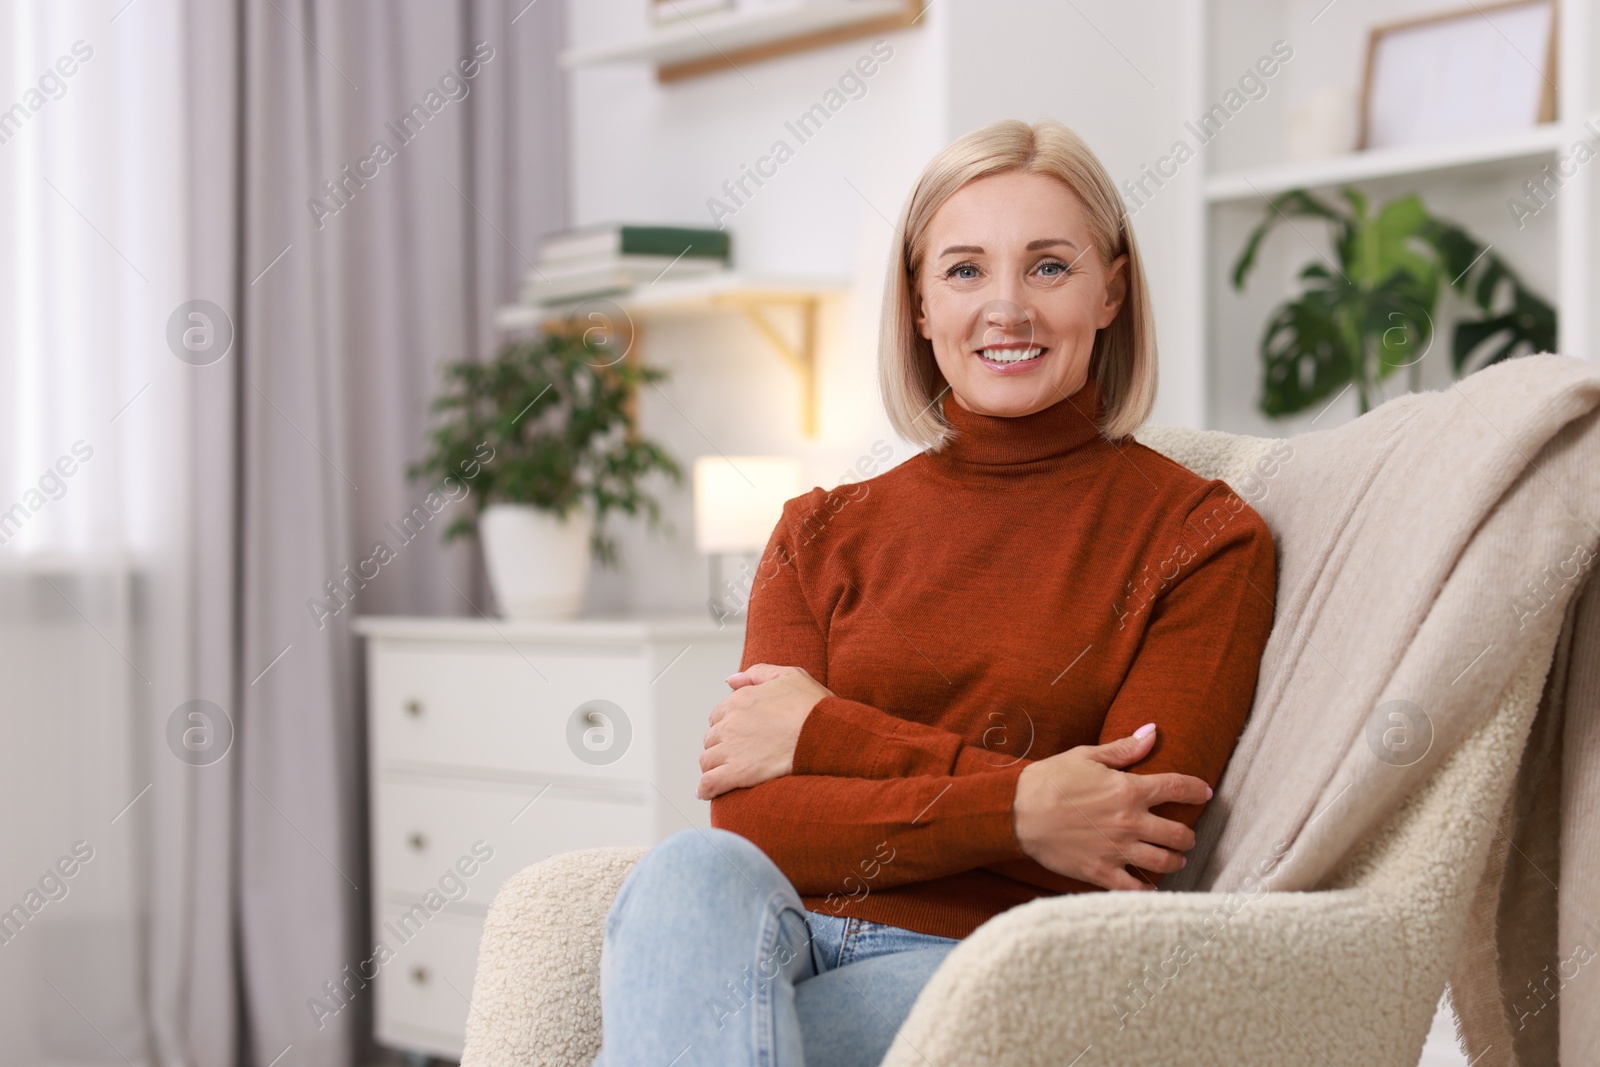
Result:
{"points": [[1457, 75]]}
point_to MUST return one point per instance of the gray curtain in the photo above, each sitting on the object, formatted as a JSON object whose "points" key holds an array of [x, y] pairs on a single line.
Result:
{"points": [[348, 274]]}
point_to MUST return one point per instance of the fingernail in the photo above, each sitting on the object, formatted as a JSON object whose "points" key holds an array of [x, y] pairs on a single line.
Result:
{"points": [[1209, 792], [1145, 730]]}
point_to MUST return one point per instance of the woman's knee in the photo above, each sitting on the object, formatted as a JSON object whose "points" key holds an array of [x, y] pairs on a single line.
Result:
{"points": [[704, 868], [708, 852]]}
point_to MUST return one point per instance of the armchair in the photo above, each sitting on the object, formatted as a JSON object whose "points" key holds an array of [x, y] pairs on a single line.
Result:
{"points": [[1337, 948]]}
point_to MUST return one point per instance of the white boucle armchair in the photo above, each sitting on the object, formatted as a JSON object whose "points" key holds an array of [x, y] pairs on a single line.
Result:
{"points": [[1348, 973]]}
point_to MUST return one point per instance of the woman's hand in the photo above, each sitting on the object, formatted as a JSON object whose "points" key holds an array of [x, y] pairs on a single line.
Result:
{"points": [[1077, 815], [753, 732]]}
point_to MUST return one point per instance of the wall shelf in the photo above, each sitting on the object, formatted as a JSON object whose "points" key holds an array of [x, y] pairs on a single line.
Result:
{"points": [[719, 40], [753, 296], [1386, 163]]}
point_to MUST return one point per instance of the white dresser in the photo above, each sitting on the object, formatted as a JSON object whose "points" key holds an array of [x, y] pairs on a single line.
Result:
{"points": [[493, 745]]}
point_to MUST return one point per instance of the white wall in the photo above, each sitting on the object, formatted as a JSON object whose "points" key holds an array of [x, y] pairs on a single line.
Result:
{"points": [[642, 151]]}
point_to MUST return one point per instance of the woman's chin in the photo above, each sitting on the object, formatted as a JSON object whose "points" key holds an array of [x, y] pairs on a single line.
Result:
{"points": [[1010, 396]]}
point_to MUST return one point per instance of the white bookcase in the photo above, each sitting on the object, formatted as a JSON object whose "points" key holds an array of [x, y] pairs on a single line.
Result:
{"points": [[1469, 182]]}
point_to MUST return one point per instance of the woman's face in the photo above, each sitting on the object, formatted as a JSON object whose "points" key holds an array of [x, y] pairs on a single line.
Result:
{"points": [[1010, 272]]}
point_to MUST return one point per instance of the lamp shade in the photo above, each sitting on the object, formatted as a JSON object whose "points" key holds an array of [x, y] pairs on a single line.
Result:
{"points": [[739, 499]]}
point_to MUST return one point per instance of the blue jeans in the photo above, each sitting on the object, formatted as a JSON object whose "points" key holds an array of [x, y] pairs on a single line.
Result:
{"points": [[709, 958]]}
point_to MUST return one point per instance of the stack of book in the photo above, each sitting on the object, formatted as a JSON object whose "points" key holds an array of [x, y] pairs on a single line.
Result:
{"points": [[613, 258]]}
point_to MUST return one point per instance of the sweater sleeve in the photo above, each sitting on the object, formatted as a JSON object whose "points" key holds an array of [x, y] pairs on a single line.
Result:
{"points": [[824, 828], [841, 737], [846, 737], [822, 832], [780, 626], [1195, 673]]}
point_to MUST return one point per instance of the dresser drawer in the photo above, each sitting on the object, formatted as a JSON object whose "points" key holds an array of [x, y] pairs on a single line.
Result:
{"points": [[501, 709], [423, 991], [421, 830]]}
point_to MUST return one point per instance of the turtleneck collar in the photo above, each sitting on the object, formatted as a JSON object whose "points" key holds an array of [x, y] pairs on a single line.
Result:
{"points": [[998, 449]]}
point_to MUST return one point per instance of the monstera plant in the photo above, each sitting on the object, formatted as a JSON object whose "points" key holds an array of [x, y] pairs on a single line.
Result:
{"points": [[1373, 313]]}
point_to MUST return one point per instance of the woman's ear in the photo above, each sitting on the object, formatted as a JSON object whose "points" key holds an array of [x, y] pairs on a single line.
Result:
{"points": [[922, 315], [1116, 290]]}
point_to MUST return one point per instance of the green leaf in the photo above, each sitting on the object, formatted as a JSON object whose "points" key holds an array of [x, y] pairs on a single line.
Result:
{"points": [[1305, 355], [1285, 205]]}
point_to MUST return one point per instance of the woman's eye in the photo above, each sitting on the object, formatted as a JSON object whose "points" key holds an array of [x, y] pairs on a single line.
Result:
{"points": [[1050, 269]]}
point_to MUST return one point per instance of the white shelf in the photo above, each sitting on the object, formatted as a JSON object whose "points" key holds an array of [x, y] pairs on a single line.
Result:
{"points": [[711, 34], [751, 296], [689, 296], [1387, 163]]}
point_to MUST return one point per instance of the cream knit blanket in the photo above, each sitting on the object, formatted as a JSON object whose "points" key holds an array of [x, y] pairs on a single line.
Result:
{"points": [[1471, 520]]}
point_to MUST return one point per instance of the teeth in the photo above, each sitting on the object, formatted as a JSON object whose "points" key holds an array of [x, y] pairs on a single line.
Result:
{"points": [[1010, 355]]}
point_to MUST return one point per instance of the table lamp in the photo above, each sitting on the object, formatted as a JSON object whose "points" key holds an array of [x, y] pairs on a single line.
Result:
{"points": [[737, 503]]}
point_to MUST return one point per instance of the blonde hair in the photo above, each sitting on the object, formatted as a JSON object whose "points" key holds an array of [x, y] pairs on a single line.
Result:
{"points": [[1123, 362]]}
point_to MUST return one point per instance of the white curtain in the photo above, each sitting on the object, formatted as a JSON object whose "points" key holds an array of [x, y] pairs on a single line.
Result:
{"points": [[217, 482], [92, 503]]}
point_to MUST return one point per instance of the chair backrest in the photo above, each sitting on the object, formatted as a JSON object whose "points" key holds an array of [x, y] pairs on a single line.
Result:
{"points": [[1238, 459], [1445, 824]]}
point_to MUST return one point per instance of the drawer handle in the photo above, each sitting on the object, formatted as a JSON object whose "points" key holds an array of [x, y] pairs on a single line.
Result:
{"points": [[414, 708], [417, 841], [419, 975]]}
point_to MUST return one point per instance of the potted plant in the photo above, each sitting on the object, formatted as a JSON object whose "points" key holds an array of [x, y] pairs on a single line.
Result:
{"points": [[1374, 313], [548, 433]]}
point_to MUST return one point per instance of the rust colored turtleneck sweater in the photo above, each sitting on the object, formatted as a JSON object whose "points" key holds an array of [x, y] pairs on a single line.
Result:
{"points": [[1027, 589]]}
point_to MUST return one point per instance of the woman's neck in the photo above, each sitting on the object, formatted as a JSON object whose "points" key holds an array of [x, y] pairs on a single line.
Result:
{"points": [[998, 448]]}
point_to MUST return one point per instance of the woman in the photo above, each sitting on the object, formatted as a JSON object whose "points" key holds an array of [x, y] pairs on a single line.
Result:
{"points": [[1013, 666]]}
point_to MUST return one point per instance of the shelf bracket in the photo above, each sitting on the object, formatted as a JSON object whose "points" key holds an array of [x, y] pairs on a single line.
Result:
{"points": [[802, 356]]}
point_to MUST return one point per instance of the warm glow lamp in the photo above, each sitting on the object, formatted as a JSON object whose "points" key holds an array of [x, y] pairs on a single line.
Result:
{"points": [[737, 503]]}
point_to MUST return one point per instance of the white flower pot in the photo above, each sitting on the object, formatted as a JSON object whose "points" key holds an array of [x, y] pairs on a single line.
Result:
{"points": [[538, 565]]}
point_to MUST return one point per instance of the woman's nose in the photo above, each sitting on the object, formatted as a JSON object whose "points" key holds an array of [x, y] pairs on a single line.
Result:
{"points": [[1005, 316]]}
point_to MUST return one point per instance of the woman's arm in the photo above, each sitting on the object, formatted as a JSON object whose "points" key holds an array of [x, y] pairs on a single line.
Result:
{"points": [[1194, 675], [821, 828], [1075, 812], [840, 737], [1196, 671], [824, 831], [1199, 658], [847, 737]]}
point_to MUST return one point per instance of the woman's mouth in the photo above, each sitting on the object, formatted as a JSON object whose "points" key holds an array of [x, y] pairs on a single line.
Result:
{"points": [[1007, 356]]}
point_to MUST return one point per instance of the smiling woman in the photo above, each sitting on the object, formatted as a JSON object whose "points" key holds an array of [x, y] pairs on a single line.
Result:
{"points": [[1103, 604]]}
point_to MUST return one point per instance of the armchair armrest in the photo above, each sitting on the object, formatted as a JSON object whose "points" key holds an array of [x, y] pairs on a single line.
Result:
{"points": [[1201, 979], [536, 997]]}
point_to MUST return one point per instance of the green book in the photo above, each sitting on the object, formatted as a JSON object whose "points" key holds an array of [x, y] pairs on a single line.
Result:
{"points": [[620, 239]]}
